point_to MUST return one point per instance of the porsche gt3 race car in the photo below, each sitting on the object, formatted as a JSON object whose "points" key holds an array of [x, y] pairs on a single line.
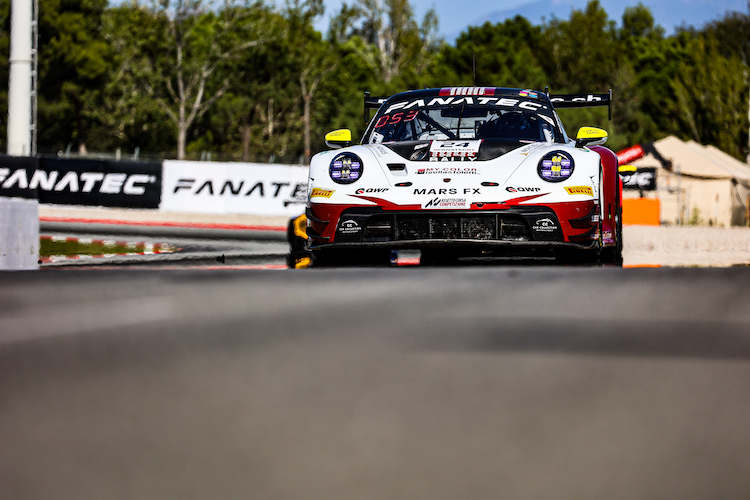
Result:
{"points": [[463, 173]]}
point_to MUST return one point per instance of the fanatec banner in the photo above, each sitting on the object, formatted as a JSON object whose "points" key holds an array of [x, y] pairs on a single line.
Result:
{"points": [[82, 182], [233, 188]]}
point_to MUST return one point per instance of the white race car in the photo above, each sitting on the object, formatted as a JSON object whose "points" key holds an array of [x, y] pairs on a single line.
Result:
{"points": [[476, 173]]}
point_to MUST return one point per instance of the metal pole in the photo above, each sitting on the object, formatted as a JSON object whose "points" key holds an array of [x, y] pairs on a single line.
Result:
{"points": [[19, 84], [34, 78]]}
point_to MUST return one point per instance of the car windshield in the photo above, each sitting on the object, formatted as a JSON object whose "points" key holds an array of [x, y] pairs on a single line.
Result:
{"points": [[402, 121]]}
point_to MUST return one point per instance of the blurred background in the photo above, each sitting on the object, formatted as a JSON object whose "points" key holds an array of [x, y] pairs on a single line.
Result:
{"points": [[263, 82]]}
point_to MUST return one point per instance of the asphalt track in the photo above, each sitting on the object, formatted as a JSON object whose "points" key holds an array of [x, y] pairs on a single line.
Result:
{"points": [[419, 383]]}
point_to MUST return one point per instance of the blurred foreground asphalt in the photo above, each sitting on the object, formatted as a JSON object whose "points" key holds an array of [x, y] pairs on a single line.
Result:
{"points": [[375, 383]]}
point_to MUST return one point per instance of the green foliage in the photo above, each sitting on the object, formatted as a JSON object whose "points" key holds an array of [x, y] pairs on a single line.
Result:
{"points": [[695, 218], [63, 247], [75, 63], [581, 53], [504, 54], [711, 97], [4, 67], [250, 81]]}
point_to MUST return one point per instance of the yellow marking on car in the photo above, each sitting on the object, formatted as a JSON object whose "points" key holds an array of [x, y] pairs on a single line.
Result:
{"points": [[580, 190], [323, 193], [339, 135], [591, 133]]}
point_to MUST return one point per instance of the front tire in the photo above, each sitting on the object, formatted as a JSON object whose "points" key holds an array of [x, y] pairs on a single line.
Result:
{"points": [[613, 255], [299, 255]]}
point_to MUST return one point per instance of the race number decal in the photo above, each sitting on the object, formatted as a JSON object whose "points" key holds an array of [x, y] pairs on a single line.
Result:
{"points": [[396, 118]]}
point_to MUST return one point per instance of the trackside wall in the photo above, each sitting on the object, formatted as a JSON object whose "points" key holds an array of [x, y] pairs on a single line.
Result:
{"points": [[19, 233], [233, 188], [211, 189], [170, 186]]}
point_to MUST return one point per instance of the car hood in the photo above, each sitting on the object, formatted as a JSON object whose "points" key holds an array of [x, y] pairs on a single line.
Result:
{"points": [[389, 179], [478, 150]]}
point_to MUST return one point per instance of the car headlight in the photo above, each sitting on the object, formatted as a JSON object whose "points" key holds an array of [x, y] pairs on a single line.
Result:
{"points": [[556, 166], [346, 168]]}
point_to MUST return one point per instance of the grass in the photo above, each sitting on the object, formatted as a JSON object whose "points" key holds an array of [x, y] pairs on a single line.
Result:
{"points": [[49, 246]]}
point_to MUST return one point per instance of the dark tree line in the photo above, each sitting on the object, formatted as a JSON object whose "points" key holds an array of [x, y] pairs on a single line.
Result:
{"points": [[247, 81]]}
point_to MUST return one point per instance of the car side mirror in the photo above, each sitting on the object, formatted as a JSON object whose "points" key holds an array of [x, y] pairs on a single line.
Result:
{"points": [[339, 138], [590, 136]]}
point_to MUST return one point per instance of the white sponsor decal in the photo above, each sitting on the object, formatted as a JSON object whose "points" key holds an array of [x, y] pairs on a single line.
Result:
{"points": [[531, 147], [469, 91], [441, 149], [349, 226], [545, 225], [588, 98], [504, 102], [446, 203], [447, 170], [241, 188], [77, 182], [453, 158]]}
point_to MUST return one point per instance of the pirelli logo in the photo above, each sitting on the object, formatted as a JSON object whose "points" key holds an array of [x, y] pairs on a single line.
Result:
{"points": [[323, 193], [580, 190]]}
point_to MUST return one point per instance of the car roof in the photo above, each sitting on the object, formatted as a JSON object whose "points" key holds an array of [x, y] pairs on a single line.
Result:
{"points": [[472, 92]]}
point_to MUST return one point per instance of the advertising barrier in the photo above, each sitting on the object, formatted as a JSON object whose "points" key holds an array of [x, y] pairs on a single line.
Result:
{"points": [[643, 179], [82, 182], [233, 188]]}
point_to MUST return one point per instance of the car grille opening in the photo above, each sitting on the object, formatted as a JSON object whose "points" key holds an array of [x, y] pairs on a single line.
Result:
{"points": [[378, 228], [513, 229], [405, 227], [478, 228]]}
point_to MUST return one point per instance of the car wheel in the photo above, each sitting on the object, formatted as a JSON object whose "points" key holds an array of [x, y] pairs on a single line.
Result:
{"points": [[613, 255], [299, 256]]}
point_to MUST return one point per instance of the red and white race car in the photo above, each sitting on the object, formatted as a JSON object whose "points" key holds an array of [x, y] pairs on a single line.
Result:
{"points": [[463, 173]]}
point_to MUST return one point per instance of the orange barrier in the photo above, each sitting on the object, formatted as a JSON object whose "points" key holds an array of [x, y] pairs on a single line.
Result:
{"points": [[641, 212]]}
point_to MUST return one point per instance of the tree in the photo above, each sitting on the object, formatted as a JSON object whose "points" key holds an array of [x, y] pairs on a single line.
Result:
{"points": [[580, 54], [75, 61], [394, 40], [711, 97], [314, 61], [642, 79], [4, 66], [502, 54], [183, 79], [732, 33]]}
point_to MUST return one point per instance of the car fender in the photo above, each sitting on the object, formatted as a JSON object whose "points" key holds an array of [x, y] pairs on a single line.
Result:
{"points": [[611, 194]]}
